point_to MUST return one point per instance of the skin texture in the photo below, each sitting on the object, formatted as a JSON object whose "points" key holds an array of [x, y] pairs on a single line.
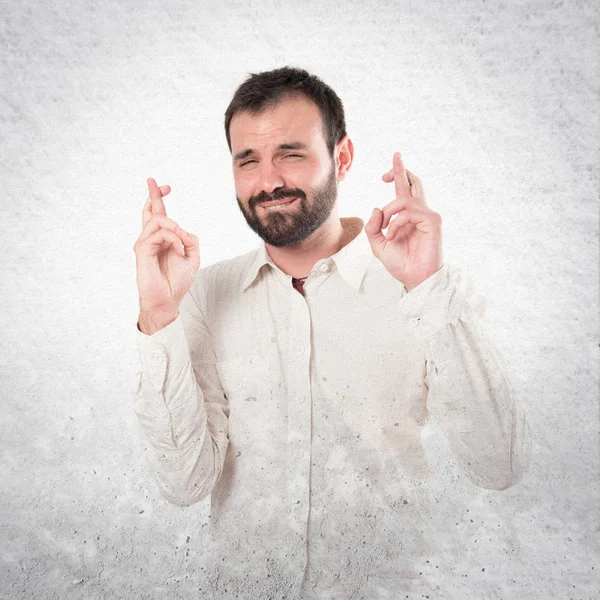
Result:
{"points": [[296, 235]]}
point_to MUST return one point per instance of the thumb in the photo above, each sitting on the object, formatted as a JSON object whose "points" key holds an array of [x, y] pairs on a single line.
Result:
{"points": [[373, 230]]}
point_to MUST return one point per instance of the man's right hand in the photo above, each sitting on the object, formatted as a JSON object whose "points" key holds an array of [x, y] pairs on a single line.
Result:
{"points": [[167, 259]]}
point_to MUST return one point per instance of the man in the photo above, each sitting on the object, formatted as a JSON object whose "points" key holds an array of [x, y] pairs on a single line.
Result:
{"points": [[291, 384]]}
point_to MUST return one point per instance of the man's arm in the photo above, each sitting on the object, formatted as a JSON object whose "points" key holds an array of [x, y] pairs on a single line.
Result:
{"points": [[181, 407], [469, 393]]}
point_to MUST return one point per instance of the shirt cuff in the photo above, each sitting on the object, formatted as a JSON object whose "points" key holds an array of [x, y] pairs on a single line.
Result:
{"points": [[438, 301], [165, 349]]}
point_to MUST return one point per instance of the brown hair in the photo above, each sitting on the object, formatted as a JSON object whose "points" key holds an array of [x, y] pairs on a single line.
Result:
{"points": [[266, 90]]}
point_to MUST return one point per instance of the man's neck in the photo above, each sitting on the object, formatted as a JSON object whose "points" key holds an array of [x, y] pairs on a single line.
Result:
{"points": [[298, 261]]}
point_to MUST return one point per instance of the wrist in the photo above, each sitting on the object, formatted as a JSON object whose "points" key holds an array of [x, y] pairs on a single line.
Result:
{"points": [[411, 285], [151, 322]]}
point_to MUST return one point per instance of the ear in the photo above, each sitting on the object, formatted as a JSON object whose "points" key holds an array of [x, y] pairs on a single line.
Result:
{"points": [[344, 154]]}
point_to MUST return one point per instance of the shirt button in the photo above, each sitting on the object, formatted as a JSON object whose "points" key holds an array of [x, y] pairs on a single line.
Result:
{"points": [[415, 321], [324, 268]]}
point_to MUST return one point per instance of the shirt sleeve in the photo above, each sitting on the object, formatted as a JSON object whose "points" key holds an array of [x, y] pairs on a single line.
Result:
{"points": [[468, 391], [181, 407]]}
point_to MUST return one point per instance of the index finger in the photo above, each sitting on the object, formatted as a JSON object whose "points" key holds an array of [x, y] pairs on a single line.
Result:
{"points": [[400, 178], [158, 206]]}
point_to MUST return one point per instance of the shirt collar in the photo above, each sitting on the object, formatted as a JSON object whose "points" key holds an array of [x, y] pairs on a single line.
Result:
{"points": [[351, 261], [258, 259]]}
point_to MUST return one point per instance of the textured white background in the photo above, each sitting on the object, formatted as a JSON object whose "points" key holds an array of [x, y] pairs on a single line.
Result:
{"points": [[493, 104]]}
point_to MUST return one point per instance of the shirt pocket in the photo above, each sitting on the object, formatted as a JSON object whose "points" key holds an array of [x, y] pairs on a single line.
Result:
{"points": [[246, 382]]}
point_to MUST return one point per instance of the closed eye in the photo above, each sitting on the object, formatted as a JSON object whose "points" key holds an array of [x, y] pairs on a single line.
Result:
{"points": [[247, 162]]}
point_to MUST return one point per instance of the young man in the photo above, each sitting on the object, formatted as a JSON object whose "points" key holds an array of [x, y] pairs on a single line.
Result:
{"points": [[292, 383]]}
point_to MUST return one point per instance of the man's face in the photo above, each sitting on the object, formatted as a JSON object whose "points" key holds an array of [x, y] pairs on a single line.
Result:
{"points": [[285, 178]]}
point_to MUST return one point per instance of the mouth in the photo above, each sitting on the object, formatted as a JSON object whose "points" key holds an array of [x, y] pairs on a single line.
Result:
{"points": [[282, 204]]}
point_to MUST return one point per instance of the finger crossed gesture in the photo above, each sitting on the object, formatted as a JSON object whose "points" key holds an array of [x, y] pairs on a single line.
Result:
{"points": [[411, 249]]}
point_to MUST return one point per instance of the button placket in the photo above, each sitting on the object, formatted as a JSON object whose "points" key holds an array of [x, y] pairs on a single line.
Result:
{"points": [[299, 427]]}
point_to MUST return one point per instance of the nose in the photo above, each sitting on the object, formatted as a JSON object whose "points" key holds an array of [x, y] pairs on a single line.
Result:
{"points": [[269, 178]]}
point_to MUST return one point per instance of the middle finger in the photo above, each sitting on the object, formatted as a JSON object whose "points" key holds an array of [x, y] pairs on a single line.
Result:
{"points": [[147, 208], [400, 178]]}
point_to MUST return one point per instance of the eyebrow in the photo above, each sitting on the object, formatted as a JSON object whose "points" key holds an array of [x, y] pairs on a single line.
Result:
{"points": [[288, 146]]}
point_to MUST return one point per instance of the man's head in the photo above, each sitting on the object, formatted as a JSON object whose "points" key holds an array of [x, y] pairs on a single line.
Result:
{"points": [[286, 132]]}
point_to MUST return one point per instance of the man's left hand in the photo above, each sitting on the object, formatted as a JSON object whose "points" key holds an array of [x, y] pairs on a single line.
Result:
{"points": [[411, 250]]}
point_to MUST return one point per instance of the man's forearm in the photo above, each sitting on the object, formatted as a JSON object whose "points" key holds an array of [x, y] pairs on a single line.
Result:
{"points": [[469, 394], [186, 426], [472, 399]]}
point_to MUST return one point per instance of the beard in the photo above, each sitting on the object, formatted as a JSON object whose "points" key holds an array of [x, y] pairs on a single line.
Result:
{"points": [[289, 227]]}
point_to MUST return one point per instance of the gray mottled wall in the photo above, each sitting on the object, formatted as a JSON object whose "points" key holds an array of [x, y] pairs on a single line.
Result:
{"points": [[493, 104]]}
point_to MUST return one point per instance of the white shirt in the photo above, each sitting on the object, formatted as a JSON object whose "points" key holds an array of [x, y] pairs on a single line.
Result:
{"points": [[301, 417]]}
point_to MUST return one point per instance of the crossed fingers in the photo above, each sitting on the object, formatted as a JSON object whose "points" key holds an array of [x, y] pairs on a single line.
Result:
{"points": [[158, 222], [154, 204], [154, 219], [409, 196]]}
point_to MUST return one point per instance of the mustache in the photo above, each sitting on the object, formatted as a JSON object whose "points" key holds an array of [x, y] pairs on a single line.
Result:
{"points": [[278, 195]]}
